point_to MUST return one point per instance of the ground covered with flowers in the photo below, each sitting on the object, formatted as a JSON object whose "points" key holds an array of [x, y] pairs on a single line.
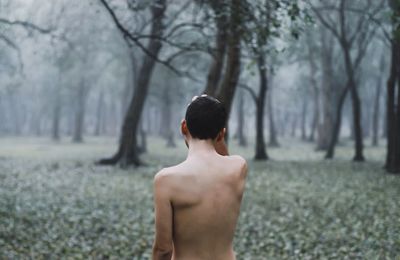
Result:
{"points": [[55, 203]]}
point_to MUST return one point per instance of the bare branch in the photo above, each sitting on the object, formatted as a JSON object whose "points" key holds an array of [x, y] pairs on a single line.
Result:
{"points": [[131, 38], [26, 25], [324, 22], [176, 15], [9, 42], [134, 39]]}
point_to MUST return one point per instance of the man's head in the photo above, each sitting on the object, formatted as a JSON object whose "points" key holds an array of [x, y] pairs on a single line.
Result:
{"points": [[205, 118]]}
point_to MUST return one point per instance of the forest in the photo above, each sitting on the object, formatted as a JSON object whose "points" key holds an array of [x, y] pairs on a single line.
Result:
{"points": [[92, 94]]}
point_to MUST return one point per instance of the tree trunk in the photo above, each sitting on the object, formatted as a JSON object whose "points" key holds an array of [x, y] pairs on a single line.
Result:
{"points": [[315, 89], [15, 115], [358, 135], [167, 118], [356, 105], [240, 133], [99, 114], [366, 119], [283, 123], [393, 98], [385, 120], [376, 113], [327, 93], [79, 113], [3, 117], [232, 71], [377, 105], [294, 125], [351, 124], [338, 123], [217, 64], [273, 140], [56, 115], [315, 120], [127, 153], [261, 153], [304, 120]]}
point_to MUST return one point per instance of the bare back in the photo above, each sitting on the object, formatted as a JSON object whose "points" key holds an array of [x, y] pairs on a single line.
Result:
{"points": [[206, 193]]}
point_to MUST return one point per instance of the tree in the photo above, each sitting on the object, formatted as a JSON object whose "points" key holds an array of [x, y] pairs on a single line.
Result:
{"points": [[273, 139], [377, 103], [362, 34], [241, 122], [393, 95], [227, 88], [261, 153], [127, 153], [327, 90], [221, 21]]}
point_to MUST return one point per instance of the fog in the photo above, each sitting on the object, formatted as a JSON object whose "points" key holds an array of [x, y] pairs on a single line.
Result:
{"points": [[311, 88]]}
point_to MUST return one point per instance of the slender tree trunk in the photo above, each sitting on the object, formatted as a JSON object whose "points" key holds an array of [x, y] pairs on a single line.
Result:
{"points": [[15, 108], [315, 121], [377, 105], [327, 93], [79, 113], [385, 120], [127, 153], [366, 119], [3, 119], [294, 125], [56, 116], [99, 114], [304, 120], [167, 118], [104, 120], [376, 113], [273, 140], [351, 124], [240, 133], [315, 89], [356, 105], [261, 153], [130, 83], [37, 124], [70, 119], [338, 123], [283, 124]]}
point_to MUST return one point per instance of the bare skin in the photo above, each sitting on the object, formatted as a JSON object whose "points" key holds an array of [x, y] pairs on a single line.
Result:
{"points": [[197, 202]]}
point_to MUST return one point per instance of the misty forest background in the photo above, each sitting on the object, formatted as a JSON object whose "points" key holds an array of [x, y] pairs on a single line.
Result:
{"points": [[92, 94]]}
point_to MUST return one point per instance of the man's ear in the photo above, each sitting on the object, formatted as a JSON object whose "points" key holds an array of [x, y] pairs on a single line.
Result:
{"points": [[184, 129], [221, 135]]}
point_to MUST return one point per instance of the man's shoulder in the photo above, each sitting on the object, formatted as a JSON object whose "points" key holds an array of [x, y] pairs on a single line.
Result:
{"points": [[238, 161], [237, 158], [167, 174]]}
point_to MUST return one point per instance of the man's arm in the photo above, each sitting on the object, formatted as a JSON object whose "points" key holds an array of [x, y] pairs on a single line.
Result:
{"points": [[163, 245]]}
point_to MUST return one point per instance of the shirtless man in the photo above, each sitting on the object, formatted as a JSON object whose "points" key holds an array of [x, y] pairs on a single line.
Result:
{"points": [[197, 202]]}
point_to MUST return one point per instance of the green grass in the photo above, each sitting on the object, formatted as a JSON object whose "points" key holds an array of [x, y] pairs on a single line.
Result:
{"points": [[54, 203]]}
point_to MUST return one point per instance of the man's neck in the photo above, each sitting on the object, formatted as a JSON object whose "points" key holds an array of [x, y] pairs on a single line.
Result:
{"points": [[198, 147]]}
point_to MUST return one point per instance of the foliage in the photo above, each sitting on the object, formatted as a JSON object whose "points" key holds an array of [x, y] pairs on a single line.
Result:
{"points": [[54, 204]]}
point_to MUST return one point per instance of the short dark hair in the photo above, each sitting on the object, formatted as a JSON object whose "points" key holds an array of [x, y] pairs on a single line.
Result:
{"points": [[205, 117]]}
